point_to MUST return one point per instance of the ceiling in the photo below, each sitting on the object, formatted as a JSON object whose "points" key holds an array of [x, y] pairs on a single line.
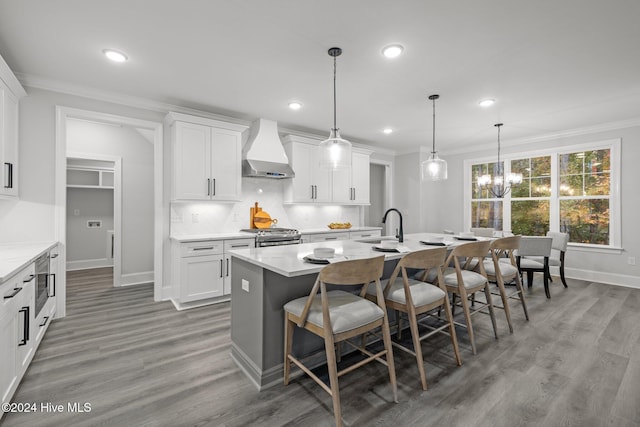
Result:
{"points": [[551, 65]]}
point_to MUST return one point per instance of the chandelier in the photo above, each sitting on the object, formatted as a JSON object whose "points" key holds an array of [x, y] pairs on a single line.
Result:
{"points": [[335, 152], [434, 168], [499, 185]]}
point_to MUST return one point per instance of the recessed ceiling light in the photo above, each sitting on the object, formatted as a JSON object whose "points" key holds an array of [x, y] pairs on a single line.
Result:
{"points": [[295, 105], [114, 55], [387, 131], [487, 102], [392, 51]]}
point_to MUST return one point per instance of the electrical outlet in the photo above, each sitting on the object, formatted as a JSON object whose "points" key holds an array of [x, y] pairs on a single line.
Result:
{"points": [[195, 217], [76, 212], [631, 260], [245, 285]]}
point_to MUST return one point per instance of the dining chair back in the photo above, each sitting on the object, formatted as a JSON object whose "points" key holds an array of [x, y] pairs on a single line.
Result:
{"points": [[338, 315], [530, 248], [418, 299], [501, 268], [462, 282]]}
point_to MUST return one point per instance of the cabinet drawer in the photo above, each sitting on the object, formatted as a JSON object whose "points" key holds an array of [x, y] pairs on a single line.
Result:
{"points": [[364, 234], [209, 247], [239, 244], [327, 237]]}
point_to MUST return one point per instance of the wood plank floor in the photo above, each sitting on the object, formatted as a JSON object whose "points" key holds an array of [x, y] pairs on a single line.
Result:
{"points": [[140, 363]]}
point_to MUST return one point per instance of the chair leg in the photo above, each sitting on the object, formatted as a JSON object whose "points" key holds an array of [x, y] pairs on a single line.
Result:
{"points": [[333, 377], [546, 284], [452, 330], [417, 348], [505, 301], [529, 278], [522, 299], [467, 317], [399, 325], [386, 338], [453, 303], [492, 312], [564, 281], [288, 341]]}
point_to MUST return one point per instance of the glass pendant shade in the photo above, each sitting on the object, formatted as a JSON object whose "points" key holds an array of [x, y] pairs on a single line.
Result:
{"points": [[335, 152], [434, 168]]}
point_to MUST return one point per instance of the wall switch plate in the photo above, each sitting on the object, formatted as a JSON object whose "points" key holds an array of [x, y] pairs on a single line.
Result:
{"points": [[245, 285], [76, 212], [631, 260]]}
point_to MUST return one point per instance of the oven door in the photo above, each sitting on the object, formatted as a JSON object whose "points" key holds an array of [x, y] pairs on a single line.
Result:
{"points": [[42, 282]]}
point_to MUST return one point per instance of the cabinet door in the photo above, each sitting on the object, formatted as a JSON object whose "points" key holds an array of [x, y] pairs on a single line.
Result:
{"points": [[8, 343], [201, 277], [226, 172], [192, 167], [8, 143], [26, 317], [360, 177], [326, 237], [301, 187], [230, 245], [342, 191], [321, 178]]}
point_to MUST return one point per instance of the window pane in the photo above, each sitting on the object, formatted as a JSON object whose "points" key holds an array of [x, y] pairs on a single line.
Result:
{"points": [[541, 187], [597, 161], [521, 190], [586, 221], [571, 185], [521, 166], [487, 214], [530, 217], [596, 184], [541, 166], [571, 163]]}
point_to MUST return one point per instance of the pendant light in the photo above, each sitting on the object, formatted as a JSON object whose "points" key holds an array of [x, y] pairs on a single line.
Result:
{"points": [[335, 152], [497, 185], [434, 168]]}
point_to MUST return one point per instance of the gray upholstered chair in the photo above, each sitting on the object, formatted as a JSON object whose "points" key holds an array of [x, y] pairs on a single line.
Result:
{"points": [[531, 247], [558, 248], [483, 231]]}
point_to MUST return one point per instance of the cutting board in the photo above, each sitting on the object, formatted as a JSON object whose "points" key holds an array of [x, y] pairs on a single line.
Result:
{"points": [[262, 219]]}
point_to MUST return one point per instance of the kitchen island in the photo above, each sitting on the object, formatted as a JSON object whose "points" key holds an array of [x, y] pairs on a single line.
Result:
{"points": [[264, 279]]}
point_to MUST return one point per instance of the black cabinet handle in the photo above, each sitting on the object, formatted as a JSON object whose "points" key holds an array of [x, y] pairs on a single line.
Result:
{"points": [[208, 186], [53, 285], [13, 294], [54, 256], [213, 193], [28, 278], [25, 334], [221, 270], [203, 248], [227, 267], [9, 183], [44, 321]]}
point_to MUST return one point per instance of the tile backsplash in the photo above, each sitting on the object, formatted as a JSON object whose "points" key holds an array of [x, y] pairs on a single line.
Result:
{"points": [[217, 217]]}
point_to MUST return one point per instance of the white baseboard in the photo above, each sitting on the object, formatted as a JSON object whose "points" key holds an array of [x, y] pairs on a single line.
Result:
{"points": [[603, 277], [136, 278], [85, 264]]}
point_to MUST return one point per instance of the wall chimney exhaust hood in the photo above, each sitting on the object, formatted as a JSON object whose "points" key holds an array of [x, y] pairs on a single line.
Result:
{"points": [[263, 154]]}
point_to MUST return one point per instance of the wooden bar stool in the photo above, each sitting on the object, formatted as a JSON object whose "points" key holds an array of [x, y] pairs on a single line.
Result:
{"points": [[337, 316], [416, 298], [503, 266]]}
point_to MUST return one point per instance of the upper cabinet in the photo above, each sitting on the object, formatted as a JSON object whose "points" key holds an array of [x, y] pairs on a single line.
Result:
{"points": [[313, 184], [207, 158], [10, 93]]}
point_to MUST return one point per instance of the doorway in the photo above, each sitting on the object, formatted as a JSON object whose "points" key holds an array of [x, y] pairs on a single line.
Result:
{"points": [[380, 195], [153, 132]]}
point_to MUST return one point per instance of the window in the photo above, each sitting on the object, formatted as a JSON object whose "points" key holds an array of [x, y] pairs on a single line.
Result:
{"points": [[570, 189]]}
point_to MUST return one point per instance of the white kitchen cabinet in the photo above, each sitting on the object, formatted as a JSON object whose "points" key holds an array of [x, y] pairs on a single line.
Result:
{"points": [[311, 184], [325, 237], [355, 235], [207, 158], [10, 93], [202, 270], [228, 246], [16, 342]]}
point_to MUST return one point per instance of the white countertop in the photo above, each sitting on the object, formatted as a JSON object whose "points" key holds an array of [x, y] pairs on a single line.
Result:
{"points": [[15, 256], [288, 260], [335, 230]]}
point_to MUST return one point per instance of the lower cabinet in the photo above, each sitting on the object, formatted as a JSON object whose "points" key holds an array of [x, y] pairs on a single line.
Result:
{"points": [[16, 340], [325, 237], [202, 271], [355, 235]]}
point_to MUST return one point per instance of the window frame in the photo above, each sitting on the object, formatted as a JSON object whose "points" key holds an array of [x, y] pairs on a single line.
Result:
{"points": [[615, 216]]}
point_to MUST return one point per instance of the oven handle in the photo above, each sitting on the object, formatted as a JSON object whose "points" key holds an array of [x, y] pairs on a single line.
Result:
{"points": [[53, 285]]}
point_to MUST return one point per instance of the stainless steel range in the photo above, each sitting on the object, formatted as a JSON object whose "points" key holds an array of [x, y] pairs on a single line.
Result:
{"points": [[275, 236]]}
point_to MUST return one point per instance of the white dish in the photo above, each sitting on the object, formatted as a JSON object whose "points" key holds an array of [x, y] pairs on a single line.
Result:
{"points": [[467, 234], [324, 252], [388, 244]]}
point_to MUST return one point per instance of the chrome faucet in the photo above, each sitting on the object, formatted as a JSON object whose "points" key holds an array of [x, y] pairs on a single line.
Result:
{"points": [[400, 234]]}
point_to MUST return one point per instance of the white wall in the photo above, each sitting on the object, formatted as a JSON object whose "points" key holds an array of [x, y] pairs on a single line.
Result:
{"points": [[88, 246], [137, 184]]}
